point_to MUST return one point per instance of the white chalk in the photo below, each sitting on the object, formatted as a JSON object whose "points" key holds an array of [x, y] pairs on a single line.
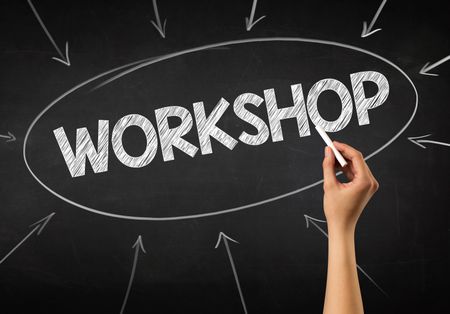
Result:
{"points": [[329, 142]]}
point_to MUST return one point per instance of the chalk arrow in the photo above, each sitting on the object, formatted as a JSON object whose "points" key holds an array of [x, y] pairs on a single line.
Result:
{"points": [[427, 67], [249, 23], [38, 226], [419, 139], [160, 28], [367, 30], [224, 238], [64, 59], [315, 222], [137, 246], [10, 137]]}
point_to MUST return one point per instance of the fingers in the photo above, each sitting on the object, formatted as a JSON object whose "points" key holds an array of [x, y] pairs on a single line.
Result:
{"points": [[347, 151], [357, 167], [348, 171], [353, 155], [329, 175], [356, 171]]}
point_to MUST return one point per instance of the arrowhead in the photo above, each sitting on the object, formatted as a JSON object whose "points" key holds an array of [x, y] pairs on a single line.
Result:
{"points": [[308, 219], [139, 245], [425, 69], [249, 24], [42, 223], [367, 31], [63, 60], [12, 138], [225, 238], [364, 30], [161, 30], [416, 141]]}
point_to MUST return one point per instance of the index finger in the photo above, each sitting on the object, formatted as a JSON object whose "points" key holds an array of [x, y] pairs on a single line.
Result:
{"points": [[352, 154]]}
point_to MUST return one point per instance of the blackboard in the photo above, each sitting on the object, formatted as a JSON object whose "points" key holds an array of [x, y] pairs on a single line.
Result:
{"points": [[233, 225]]}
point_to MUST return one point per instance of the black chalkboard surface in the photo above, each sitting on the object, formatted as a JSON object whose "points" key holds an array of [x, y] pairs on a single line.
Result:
{"points": [[161, 156]]}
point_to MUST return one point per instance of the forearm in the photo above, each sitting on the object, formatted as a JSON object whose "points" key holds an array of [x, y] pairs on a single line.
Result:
{"points": [[342, 290]]}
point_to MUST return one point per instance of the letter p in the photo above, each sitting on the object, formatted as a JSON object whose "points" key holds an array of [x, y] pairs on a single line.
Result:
{"points": [[362, 103]]}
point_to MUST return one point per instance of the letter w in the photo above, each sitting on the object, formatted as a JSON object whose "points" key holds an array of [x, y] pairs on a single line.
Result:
{"points": [[84, 147]]}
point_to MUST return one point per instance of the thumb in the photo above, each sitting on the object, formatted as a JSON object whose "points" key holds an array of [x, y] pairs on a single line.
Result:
{"points": [[329, 175]]}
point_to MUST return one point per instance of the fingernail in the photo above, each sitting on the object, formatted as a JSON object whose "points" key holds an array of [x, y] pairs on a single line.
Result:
{"points": [[327, 152]]}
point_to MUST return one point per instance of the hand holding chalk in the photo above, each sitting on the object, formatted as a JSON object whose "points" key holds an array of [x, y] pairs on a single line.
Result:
{"points": [[329, 142], [344, 202]]}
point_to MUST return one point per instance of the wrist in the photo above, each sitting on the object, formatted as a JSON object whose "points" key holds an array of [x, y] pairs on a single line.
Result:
{"points": [[341, 229]]}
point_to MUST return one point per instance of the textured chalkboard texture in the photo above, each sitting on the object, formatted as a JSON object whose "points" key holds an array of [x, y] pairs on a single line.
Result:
{"points": [[224, 231]]}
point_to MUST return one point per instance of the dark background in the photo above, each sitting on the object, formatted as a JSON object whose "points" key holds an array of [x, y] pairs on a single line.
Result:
{"points": [[82, 262]]}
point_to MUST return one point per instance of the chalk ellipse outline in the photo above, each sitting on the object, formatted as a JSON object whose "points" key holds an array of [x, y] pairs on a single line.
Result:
{"points": [[146, 62]]}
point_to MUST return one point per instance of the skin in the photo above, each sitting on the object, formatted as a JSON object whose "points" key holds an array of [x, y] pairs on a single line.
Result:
{"points": [[343, 203]]}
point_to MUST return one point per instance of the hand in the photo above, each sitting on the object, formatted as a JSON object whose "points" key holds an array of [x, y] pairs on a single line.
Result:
{"points": [[344, 202]]}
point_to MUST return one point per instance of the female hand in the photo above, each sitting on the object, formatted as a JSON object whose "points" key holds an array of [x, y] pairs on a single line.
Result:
{"points": [[344, 202]]}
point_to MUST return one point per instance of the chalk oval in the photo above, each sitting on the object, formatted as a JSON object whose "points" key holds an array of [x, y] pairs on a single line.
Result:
{"points": [[226, 180]]}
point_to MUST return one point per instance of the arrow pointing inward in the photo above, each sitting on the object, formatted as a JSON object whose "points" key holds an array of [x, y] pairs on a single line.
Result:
{"points": [[225, 238], [160, 28], [249, 20], [10, 137], [427, 67], [137, 246], [315, 222], [367, 31], [419, 139], [64, 59], [38, 227]]}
